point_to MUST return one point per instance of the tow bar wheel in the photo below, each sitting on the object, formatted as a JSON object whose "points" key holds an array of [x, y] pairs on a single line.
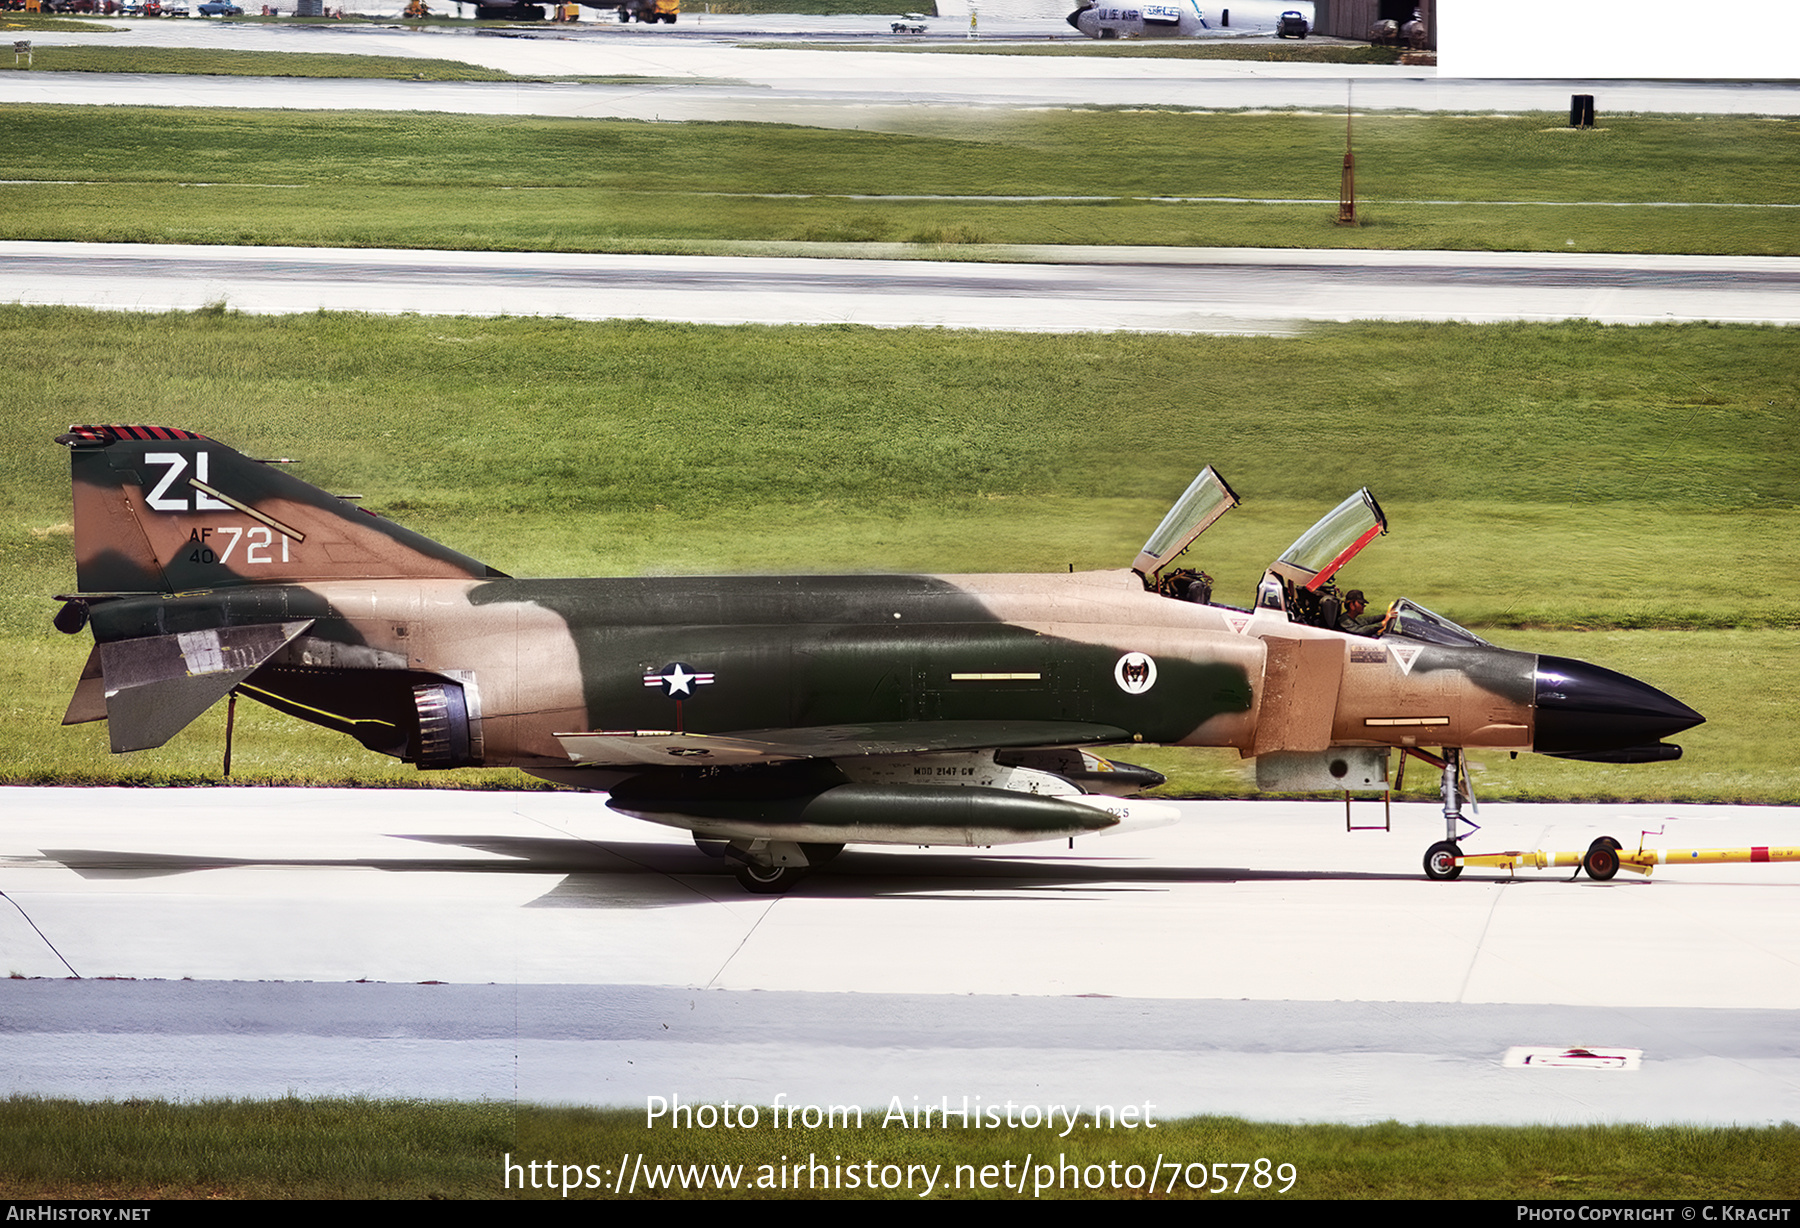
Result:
{"points": [[1602, 860]]}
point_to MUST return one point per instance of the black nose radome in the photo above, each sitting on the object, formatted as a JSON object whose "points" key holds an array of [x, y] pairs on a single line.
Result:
{"points": [[1074, 18], [1582, 707]]}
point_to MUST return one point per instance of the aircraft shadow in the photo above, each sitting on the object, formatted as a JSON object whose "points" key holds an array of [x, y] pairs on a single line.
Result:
{"points": [[599, 874]]}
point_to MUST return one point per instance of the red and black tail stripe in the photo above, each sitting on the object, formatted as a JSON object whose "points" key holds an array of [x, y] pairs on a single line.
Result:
{"points": [[89, 435]]}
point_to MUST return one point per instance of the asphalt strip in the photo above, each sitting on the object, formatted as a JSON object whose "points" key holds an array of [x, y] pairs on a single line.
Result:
{"points": [[612, 1045]]}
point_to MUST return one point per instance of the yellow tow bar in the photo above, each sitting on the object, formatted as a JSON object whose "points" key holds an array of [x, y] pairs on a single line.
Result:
{"points": [[1605, 858]]}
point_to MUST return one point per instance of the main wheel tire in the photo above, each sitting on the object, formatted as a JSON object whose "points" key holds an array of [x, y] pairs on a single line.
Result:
{"points": [[1440, 861], [768, 880], [1602, 860]]}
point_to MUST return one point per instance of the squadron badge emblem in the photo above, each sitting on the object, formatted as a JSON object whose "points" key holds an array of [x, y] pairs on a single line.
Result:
{"points": [[1135, 673]]}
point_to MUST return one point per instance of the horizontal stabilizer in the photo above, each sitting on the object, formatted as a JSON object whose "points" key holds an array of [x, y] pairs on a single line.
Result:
{"points": [[622, 748], [89, 701], [156, 685]]}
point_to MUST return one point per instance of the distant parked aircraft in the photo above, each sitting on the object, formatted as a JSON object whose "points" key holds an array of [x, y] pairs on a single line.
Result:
{"points": [[1164, 19]]}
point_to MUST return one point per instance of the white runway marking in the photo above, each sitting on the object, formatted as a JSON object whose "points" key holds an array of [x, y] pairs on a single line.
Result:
{"points": [[1255, 959]]}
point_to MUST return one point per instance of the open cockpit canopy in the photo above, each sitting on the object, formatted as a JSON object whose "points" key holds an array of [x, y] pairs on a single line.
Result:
{"points": [[1206, 499], [1312, 560], [1298, 584]]}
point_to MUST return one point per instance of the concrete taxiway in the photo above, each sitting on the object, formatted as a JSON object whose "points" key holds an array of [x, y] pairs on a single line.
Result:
{"points": [[1063, 289], [1254, 959]]}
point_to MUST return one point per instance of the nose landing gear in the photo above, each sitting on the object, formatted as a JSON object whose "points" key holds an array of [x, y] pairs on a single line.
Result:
{"points": [[1443, 859]]}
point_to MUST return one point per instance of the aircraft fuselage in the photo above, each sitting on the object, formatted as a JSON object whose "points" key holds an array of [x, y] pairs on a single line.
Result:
{"points": [[726, 655]]}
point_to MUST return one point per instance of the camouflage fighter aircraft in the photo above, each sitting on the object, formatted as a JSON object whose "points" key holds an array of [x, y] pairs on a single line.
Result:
{"points": [[779, 718]]}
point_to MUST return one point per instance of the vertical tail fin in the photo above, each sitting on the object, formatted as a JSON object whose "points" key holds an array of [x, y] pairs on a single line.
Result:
{"points": [[165, 510]]}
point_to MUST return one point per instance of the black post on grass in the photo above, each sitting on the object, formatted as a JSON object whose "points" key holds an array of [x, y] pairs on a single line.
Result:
{"points": [[230, 721], [1347, 188]]}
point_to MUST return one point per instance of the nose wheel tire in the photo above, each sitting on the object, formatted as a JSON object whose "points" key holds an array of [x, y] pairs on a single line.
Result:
{"points": [[1440, 861]]}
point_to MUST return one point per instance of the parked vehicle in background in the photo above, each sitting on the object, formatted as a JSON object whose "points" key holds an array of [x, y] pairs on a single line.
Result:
{"points": [[649, 11], [220, 8], [1291, 25]]}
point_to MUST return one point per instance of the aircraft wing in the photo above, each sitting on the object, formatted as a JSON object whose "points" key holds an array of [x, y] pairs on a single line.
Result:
{"points": [[664, 748]]}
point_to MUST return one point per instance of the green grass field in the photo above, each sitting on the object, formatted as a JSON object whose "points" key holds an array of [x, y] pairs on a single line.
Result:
{"points": [[373, 1149], [1154, 177], [1620, 495], [816, 8], [32, 23], [190, 61], [228, 63]]}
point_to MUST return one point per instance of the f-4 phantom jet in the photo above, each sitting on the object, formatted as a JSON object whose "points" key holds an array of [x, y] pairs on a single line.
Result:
{"points": [[778, 718]]}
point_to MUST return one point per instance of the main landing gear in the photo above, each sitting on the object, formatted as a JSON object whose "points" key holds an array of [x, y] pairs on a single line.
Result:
{"points": [[770, 867], [1441, 863]]}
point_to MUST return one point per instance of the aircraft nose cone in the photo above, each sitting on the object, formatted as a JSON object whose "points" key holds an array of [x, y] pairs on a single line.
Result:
{"points": [[1075, 18], [1582, 707]]}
